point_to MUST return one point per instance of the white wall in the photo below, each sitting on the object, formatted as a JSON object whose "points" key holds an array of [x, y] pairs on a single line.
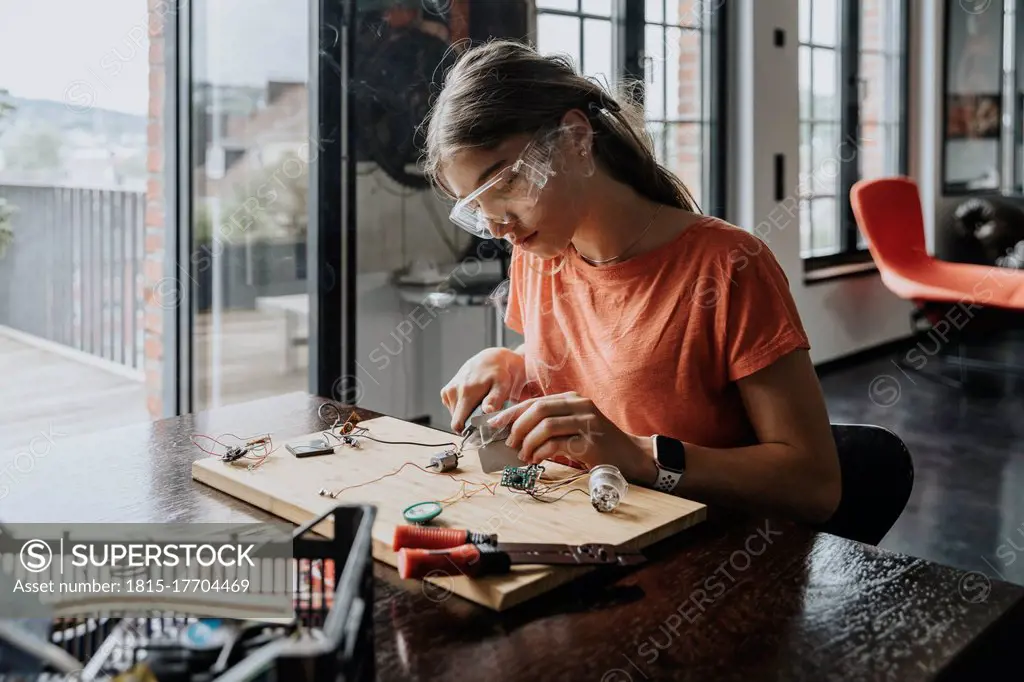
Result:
{"points": [[846, 315]]}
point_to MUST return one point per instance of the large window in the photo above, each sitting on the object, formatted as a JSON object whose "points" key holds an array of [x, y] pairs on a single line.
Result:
{"points": [[251, 147], [675, 48], [78, 202], [852, 65]]}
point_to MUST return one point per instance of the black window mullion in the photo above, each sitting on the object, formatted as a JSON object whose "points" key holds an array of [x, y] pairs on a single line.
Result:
{"points": [[634, 66], [849, 93], [904, 56]]}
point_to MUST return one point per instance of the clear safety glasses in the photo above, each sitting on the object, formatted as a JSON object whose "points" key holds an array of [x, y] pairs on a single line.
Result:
{"points": [[514, 190]]}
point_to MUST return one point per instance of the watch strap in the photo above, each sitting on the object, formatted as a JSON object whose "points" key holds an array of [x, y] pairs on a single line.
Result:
{"points": [[667, 479]]}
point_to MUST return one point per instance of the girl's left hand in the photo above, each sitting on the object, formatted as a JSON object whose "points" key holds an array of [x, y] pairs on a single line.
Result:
{"points": [[570, 426]]}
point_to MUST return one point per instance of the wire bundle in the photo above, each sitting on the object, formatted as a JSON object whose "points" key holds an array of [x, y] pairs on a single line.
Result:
{"points": [[339, 430], [255, 450], [461, 495], [541, 492]]}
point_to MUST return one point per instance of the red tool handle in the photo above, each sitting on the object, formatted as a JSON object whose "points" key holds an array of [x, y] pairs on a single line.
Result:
{"points": [[423, 537], [421, 563]]}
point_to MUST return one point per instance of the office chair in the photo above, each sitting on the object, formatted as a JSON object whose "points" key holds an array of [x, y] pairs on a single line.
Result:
{"points": [[878, 476]]}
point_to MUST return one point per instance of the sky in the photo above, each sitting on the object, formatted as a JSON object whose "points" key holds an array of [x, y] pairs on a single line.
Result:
{"points": [[96, 51]]}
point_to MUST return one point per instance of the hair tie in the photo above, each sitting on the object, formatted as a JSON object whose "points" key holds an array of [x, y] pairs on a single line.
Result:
{"points": [[604, 107]]}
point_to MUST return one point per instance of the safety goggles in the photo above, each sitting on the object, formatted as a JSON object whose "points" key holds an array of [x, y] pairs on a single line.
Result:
{"points": [[513, 190]]}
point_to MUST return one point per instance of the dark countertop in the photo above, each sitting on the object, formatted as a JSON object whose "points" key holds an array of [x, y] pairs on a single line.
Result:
{"points": [[731, 599]]}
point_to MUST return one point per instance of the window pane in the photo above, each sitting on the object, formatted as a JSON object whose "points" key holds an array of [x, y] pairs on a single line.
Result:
{"points": [[806, 178], [825, 154], [823, 85], [250, 132], [685, 156], [602, 7], [806, 94], [876, 89], [569, 5], [597, 50], [684, 74], [805, 21], [654, 10], [82, 267], [559, 35], [872, 154], [673, 11], [825, 227], [654, 92], [805, 229], [824, 22], [657, 132]]}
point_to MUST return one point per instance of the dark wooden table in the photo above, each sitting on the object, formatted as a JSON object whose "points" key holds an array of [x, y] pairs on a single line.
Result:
{"points": [[743, 599]]}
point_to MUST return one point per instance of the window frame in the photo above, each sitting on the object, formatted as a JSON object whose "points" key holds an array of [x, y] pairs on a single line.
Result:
{"points": [[852, 258], [629, 24]]}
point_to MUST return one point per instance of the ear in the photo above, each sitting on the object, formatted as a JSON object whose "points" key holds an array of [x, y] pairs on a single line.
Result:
{"points": [[581, 133], [581, 140]]}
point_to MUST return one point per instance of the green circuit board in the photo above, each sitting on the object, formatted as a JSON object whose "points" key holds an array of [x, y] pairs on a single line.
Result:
{"points": [[521, 478]]}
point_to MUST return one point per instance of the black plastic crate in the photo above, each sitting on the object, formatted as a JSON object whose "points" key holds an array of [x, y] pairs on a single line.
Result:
{"points": [[335, 641]]}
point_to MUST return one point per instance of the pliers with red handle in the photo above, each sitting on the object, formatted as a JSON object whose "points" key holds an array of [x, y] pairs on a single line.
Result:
{"points": [[424, 551]]}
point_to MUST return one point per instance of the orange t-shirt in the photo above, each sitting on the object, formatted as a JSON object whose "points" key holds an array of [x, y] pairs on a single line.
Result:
{"points": [[658, 341]]}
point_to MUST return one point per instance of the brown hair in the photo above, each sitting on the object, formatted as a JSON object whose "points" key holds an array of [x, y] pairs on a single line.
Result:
{"points": [[503, 87]]}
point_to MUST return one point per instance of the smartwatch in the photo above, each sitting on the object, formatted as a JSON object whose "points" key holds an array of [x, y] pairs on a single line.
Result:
{"points": [[670, 458]]}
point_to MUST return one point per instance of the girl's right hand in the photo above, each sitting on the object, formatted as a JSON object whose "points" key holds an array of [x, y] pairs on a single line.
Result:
{"points": [[489, 377]]}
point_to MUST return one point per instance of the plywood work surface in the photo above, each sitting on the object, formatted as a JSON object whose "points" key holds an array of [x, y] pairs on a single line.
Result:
{"points": [[288, 487]]}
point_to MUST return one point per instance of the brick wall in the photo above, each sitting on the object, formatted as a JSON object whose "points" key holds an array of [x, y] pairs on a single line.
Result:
{"points": [[873, 136], [157, 291], [684, 146]]}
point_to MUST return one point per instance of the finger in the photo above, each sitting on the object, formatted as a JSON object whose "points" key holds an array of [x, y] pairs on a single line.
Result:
{"points": [[468, 398], [448, 397], [548, 406], [497, 396], [505, 417], [547, 429], [567, 461], [553, 449], [463, 407]]}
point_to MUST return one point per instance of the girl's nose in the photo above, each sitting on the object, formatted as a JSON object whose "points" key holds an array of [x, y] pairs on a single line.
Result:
{"points": [[498, 227]]}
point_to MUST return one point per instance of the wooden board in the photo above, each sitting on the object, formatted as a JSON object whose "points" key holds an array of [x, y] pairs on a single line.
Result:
{"points": [[288, 487]]}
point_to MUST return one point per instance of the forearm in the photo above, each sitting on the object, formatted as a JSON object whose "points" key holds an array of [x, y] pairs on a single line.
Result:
{"points": [[764, 478]]}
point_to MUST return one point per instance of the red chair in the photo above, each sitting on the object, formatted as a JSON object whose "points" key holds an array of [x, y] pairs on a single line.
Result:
{"points": [[951, 297]]}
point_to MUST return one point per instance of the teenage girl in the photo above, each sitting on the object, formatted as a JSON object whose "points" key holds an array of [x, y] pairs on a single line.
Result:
{"points": [[657, 339]]}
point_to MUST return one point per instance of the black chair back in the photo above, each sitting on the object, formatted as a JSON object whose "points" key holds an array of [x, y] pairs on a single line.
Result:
{"points": [[878, 476]]}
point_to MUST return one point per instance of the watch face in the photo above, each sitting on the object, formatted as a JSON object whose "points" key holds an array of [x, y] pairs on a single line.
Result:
{"points": [[671, 454]]}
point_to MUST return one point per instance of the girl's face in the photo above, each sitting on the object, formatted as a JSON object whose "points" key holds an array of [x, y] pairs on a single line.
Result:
{"points": [[543, 225]]}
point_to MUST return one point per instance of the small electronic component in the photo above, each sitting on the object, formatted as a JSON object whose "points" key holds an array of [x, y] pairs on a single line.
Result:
{"points": [[607, 487], [521, 478], [444, 461], [310, 448], [422, 512], [234, 453]]}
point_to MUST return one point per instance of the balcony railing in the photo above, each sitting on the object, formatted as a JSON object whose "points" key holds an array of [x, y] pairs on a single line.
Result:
{"points": [[73, 274]]}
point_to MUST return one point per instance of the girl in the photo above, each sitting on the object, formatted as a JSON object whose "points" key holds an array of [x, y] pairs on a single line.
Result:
{"points": [[657, 339]]}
